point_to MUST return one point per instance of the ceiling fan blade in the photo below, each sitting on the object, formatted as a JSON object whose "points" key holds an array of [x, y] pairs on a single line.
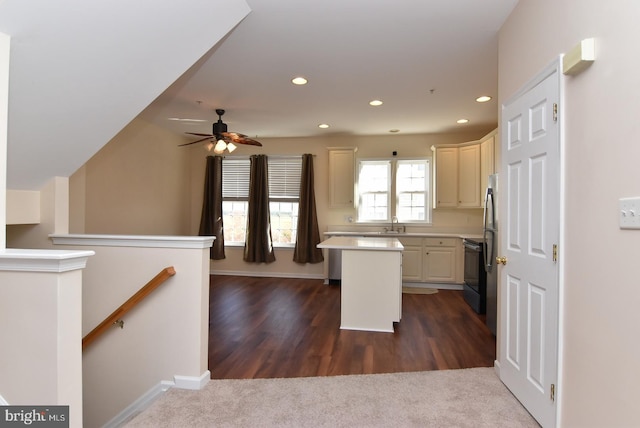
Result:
{"points": [[199, 135], [237, 138], [197, 141]]}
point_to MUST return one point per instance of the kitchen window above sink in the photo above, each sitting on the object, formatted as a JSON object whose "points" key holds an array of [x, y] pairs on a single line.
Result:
{"points": [[393, 189]]}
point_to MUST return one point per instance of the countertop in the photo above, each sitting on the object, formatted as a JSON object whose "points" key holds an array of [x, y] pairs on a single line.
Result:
{"points": [[405, 234], [376, 242]]}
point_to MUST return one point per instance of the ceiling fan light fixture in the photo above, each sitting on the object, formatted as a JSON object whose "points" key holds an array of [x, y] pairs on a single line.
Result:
{"points": [[209, 146], [231, 147], [220, 146]]}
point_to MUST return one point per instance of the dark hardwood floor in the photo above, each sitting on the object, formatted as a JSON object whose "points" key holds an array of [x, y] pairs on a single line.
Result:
{"points": [[282, 327]]}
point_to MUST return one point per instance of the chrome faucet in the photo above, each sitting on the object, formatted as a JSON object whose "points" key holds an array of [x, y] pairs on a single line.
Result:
{"points": [[394, 218]]}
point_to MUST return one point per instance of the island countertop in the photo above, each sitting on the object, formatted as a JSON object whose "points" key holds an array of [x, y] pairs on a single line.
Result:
{"points": [[362, 243]]}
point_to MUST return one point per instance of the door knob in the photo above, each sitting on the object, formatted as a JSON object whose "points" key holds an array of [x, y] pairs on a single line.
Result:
{"points": [[502, 260]]}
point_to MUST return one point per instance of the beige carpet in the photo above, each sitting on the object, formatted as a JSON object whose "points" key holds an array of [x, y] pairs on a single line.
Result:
{"points": [[445, 398], [419, 290]]}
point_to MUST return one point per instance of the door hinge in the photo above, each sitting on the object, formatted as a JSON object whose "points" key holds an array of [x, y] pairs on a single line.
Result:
{"points": [[555, 253], [553, 392], [555, 112]]}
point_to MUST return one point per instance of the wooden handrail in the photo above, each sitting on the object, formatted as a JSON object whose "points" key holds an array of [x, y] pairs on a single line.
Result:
{"points": [[161, 277]]}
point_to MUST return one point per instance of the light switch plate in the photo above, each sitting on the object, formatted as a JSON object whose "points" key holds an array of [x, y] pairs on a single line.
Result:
{"points": [[629, 213]]}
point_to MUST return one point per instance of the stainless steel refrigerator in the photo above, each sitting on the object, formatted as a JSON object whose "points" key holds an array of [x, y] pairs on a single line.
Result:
{"points": [[490, 233]]}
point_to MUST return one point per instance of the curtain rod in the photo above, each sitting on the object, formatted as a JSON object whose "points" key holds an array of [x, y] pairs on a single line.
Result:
{"points": [[269, 156]]}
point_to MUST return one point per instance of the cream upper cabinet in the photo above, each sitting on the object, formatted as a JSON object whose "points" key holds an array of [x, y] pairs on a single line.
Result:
{"points": [[446, 173], [341, 177], [469, 176], [461, 172], [457, 177]]}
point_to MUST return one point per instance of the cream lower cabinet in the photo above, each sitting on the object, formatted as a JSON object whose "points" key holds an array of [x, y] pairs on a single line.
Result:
{"points": [[440, 260], [435, 260], [412, 259]]}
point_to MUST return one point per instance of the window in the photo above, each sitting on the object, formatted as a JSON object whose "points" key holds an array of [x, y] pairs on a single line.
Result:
{"points": [[374, 189], [284, 194], [235, 199], [393, 188], [284, 197], [412, 195]]}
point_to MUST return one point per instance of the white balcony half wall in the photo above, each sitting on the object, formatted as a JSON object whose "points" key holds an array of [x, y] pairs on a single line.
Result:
{"points": [[5, 42], [81, 71]]}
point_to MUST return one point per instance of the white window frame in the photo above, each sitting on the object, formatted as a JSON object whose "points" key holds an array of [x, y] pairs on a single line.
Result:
{"points": [[235, 197], [423, 201], [285, 174], [393, 200], [364, 190]]}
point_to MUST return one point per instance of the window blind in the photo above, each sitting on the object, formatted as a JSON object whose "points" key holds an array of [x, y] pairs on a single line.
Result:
{"points": [[284, 177], [235, 178]]}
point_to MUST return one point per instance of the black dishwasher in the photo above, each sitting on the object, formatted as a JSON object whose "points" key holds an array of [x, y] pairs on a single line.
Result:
{"points": [[475, 277]]}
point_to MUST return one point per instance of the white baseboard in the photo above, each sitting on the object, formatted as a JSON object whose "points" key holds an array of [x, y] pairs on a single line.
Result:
{"points": [[138, 406], [265, 274], [496, 366], [192, 382], [439, 285]]}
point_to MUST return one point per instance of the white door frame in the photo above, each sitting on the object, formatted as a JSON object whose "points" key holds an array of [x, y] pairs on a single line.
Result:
{"points": [[554, 67]]}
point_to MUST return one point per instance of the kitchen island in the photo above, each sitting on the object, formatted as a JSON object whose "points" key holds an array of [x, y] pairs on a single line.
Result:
{"points": [[371, 293]]}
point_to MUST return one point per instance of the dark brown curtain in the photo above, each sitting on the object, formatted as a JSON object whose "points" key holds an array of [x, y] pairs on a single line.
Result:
{"points": [[308, 235], [211, 219], [258, 246]]}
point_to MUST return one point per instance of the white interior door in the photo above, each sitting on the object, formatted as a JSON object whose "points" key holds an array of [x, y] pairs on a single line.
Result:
{"points": [[530, 212]]}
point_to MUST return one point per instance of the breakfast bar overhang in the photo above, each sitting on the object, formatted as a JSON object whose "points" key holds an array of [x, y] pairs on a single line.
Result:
{"points": [[371, 290]]}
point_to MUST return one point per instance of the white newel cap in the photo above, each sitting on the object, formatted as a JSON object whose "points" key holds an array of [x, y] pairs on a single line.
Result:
{"points": [[43, 260]]}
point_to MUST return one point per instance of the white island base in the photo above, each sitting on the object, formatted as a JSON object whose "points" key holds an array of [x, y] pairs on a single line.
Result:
{"points": [[371, 290]]}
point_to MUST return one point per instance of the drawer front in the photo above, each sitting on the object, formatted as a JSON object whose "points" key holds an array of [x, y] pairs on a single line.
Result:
{"points": [[440, 242]]}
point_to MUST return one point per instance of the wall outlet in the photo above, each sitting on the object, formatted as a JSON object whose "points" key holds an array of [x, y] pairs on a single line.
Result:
{"points": [[629, 213], [348, 219]]}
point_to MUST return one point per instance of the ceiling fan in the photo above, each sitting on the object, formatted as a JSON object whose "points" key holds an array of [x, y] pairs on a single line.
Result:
{"points": [[222, 140]]}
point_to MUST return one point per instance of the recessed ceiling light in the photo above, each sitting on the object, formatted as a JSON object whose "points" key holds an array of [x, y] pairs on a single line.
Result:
{"points": [[483, 99], [323, 126], [461, 121], [375, 103], [394, 130], [299, 80]]}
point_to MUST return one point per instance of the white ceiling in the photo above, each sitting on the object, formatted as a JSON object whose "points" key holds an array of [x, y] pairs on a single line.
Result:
{"points": [[81, 71], [427, 60]]}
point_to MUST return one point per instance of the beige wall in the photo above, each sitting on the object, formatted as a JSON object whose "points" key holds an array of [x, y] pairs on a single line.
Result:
{"points": [[54, 217], [142, 183], [599, 351], [136, 184], [368, 147], [5, 42]]}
